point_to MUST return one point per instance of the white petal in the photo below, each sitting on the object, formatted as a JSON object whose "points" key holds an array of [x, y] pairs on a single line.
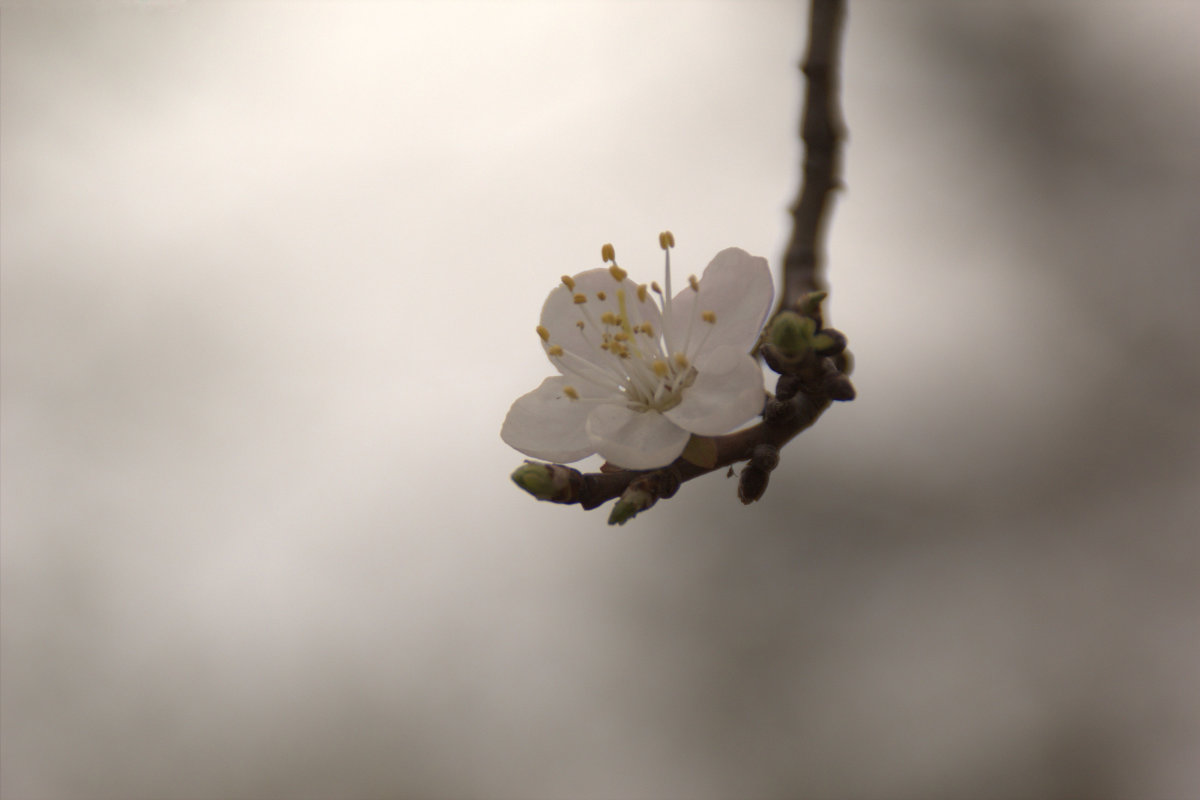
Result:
{"points": [[728, 391], [560, 314], [548, 425], [738, 288], [635, 439]]}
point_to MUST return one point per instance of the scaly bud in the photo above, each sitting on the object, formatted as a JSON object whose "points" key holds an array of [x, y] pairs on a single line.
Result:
{"points": [[630, 503], [537, 479], [791, 334]]}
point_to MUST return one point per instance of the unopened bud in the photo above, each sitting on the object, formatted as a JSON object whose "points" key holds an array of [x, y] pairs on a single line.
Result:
{"points": [[791, 334], [537, 479], [752, 483], [839, 388], [829, 342], [629, 504]]}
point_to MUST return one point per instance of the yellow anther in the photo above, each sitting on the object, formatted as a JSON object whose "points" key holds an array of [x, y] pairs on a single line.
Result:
{"points": [[642, 293], [681, 361], [695, 284], [618, 273], [580, 299], [709, 316], [554, 350], [654, 287], [570, 392], [607, 253], [666, 239], [579, 324], [568, 282], [621, 336], [601, 296], [648, 329], [542, 332], [660, 368], [609, 318]]}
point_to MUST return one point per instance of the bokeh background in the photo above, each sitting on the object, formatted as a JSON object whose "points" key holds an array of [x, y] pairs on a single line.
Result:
{"points": [[270, 277]]}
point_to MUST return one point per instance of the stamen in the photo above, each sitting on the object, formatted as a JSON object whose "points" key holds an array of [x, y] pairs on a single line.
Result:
{"points": [[607, 253], [618, 273], [660, 368], [695, 284], [542, 332], [601, 296], [568, 282], [681, 361], [580, 299], [579, 324], [570, 392], [554, 350], [654, 287], [596, 374], [667, 281], [666, 240], [642, 293], [711, 318]]}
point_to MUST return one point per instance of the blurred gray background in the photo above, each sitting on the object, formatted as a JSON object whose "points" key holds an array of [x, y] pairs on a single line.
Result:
{"points": [[270, 278]]}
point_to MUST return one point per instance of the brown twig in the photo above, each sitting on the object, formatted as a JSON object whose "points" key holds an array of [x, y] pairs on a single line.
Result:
{"points": [[822, 131]]}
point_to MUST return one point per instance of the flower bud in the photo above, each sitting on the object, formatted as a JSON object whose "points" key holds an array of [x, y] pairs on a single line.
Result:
{"points": [[829, 342], [838, 387], [752, 483], [630, 503], [537, 479], [791, 334]]}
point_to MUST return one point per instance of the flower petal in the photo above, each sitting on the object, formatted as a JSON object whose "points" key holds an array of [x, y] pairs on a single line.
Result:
{"points": [[728, 391], [546, 424], [561, 315], [635, 439], [737, 287]]}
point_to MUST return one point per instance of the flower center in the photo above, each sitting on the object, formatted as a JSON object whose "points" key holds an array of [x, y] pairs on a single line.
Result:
{"points": [[647, 368]]}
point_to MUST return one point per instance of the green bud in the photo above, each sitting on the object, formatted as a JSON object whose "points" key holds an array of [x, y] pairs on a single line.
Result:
{"points": [[791, 334], [829, 342], [630, 503], [537, 479]]}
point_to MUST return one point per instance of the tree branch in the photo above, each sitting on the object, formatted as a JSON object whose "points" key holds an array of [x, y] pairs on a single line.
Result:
{"points": [[822, 131]]}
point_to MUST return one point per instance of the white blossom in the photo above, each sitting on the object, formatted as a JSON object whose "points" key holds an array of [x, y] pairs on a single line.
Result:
{"points": [[640, 370]]}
